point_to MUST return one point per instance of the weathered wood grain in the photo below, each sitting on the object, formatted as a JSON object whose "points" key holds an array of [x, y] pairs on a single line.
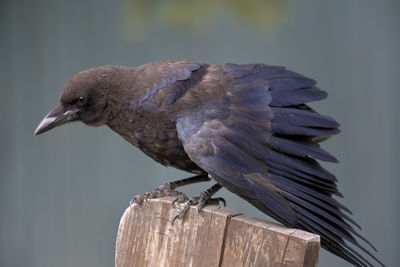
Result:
{"points": [[216, 236]]}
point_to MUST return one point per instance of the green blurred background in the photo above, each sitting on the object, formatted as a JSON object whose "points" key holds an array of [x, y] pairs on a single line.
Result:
{"points": [[62, 193]]}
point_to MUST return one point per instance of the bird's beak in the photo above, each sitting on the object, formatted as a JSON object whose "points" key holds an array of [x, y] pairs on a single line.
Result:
{"points": [[56, 117]]}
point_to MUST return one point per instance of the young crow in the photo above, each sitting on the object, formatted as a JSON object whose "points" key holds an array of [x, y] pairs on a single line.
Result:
{"points": [[247, 127]]}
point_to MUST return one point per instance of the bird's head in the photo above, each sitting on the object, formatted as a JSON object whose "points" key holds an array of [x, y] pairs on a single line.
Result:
{"points": [[84, 98]]}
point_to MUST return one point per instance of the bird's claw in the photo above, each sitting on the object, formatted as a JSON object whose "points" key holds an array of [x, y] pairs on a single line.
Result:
{"points": [[138, 199], [210, 201], [181, 212], [216, 201], [200, 201], [161, 191], [179, 199]]}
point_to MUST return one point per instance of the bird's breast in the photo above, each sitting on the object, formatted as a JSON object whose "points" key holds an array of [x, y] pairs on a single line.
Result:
{"points": [[156, 137]]}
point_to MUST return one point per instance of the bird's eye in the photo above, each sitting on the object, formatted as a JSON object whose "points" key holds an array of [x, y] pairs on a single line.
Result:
{"points": [[81, 100]]}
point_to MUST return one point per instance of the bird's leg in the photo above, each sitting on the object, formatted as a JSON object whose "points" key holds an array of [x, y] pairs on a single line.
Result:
{"points": [[200, 201], [168, 189]]}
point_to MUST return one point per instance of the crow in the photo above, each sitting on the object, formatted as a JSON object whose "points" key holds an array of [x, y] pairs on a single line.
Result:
{"points": [[246, 126]]}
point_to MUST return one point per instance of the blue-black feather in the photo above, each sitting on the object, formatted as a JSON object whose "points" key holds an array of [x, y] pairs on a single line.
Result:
{"points": [[300, 117], [305, 165], [264, 149], [300, 148]]}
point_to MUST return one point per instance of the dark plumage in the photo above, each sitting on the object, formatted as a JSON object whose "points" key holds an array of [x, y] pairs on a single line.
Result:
{"points": [[247, 126]]}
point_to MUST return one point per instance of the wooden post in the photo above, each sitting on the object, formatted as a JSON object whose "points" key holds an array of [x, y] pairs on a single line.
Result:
{"points": [[216, 236]]}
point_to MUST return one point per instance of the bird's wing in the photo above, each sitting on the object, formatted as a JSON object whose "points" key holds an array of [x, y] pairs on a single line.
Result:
{"points": [[258, 140], [160, 84]]}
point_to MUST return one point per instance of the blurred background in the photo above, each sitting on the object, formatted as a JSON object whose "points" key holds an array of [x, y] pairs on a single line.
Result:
{"points": [[62, 193]]}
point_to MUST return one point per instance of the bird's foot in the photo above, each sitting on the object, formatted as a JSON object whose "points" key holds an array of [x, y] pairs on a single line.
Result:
{"points": [[200, 201], [163, 190]]}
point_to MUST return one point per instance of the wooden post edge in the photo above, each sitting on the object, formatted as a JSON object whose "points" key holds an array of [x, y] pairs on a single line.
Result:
{"points": [[216, 236]]}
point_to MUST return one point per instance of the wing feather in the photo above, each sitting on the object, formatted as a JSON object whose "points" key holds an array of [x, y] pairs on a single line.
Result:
{"points": [[259, 139]]}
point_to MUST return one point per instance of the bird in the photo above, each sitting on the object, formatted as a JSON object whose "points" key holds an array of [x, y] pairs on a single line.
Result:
{"points": [[247, 127]]}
